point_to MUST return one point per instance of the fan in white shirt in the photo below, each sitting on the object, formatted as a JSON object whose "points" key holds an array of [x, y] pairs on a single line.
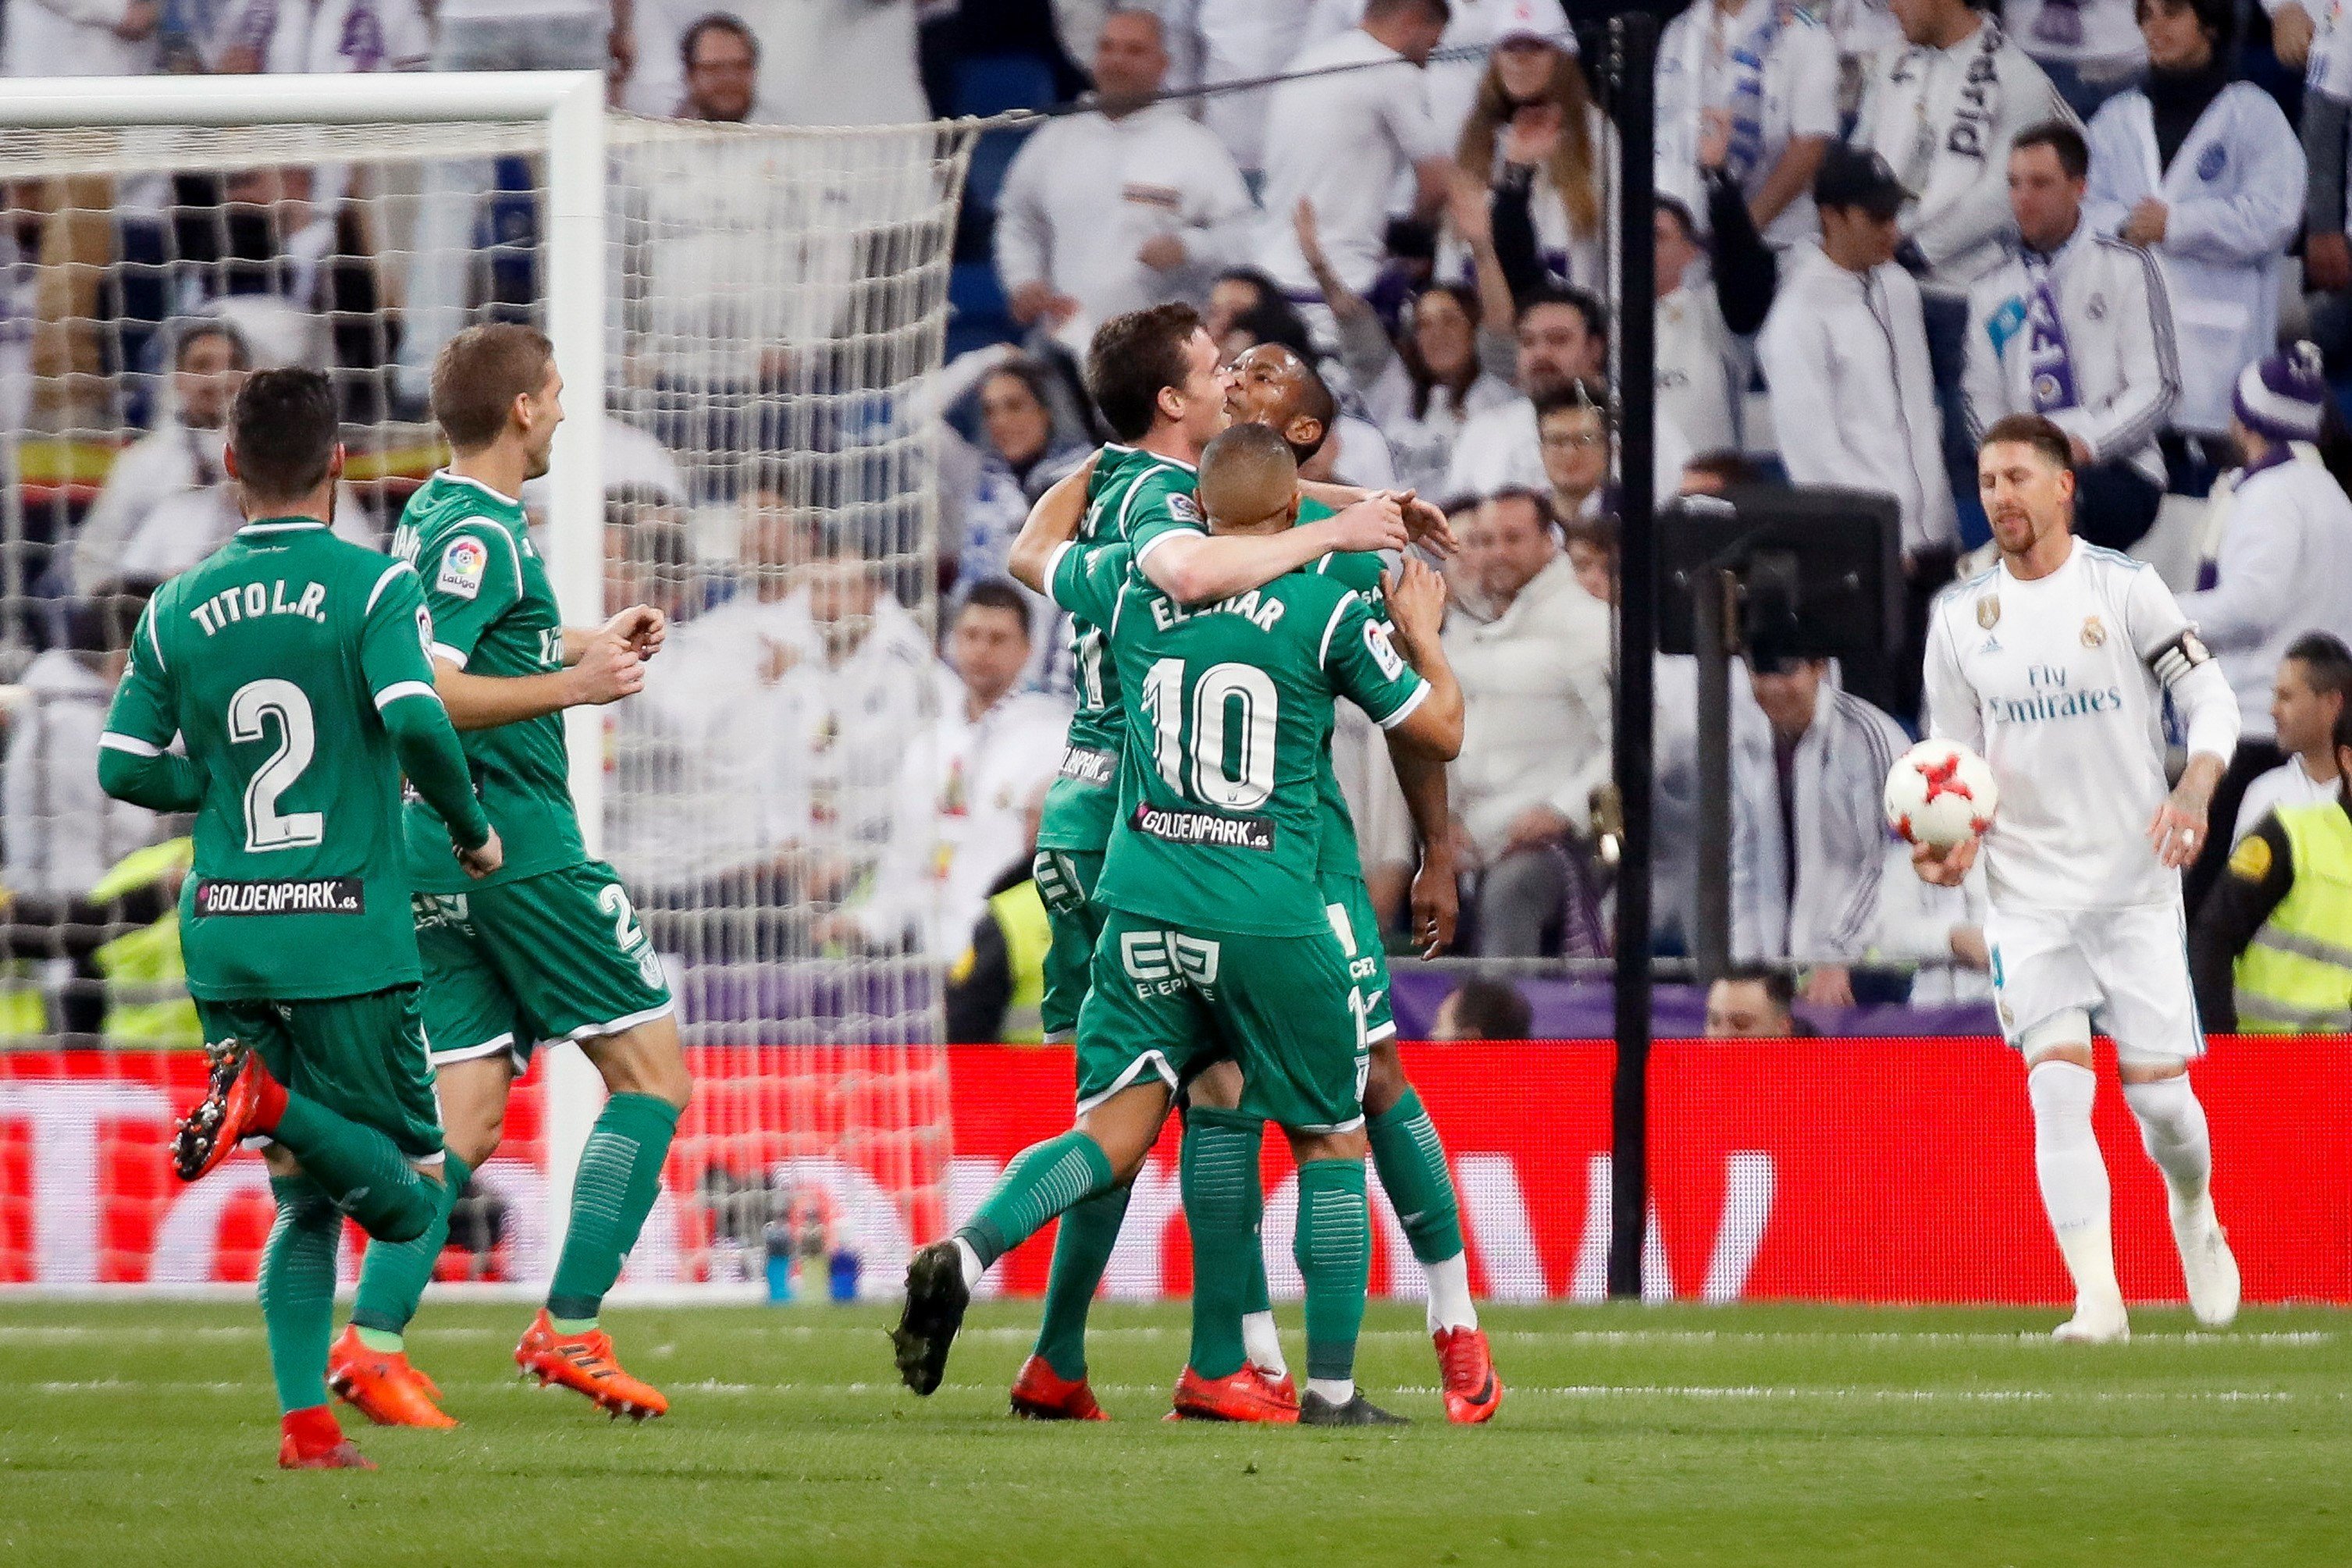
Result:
{"points": [[2056, 666], [2314, 681]]}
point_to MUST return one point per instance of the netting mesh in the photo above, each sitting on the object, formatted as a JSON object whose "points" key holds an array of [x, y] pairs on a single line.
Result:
{"points": [[773, 302]]}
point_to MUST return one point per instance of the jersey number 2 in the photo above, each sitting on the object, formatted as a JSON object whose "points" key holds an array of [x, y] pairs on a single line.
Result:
{"points": [[249, 708]]}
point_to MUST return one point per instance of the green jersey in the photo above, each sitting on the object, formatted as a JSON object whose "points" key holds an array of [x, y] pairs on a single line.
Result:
{"points": [[1134, 497], [1229, 723], [1360, 571], [493, 614], [281, 657]]}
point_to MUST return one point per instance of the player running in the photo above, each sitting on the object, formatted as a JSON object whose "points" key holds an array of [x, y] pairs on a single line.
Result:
{"points": [[1214, 929], [2055, 665], [1219, 1169], [549, 948], [293, 663]]}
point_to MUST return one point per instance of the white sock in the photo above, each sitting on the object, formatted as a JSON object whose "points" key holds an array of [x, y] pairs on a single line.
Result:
{"points": [[2172, 1130], [972, 1267], [1449, 1294], [1262, 1343], [2073, 1178], [1336, 1390]]}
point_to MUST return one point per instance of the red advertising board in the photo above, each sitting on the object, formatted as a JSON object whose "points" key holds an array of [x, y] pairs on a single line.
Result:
{"points": [[1817, 1169]]}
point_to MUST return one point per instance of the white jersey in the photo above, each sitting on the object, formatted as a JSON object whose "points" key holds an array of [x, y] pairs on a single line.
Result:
{"points": [[2051, 681]]}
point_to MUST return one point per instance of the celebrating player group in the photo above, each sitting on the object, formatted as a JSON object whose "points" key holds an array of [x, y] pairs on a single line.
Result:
{"points": [[372, 972]]}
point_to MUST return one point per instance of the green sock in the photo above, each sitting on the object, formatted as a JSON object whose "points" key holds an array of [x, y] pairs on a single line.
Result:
{"points": [[298, 1290], [1044, 1180], [1082, 1250], [393, 1275], [1334, 1250], [1221, 1202], [612, 1193], [1412, 1163], [363, 1172]]}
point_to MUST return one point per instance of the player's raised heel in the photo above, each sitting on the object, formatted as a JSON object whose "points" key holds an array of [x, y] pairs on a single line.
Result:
{"points": [[1316, 1411], [1466, 1368], [585, 1364], [233, 1094], [1041, 1394], [2208, 1267], [936, 1299]]}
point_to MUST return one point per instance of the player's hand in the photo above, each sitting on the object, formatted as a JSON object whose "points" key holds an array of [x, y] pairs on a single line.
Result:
{"points": [[642, 627], [481, 863], [1945, 867], [2177, 831], [1416, 600], [1375, 523], [1436, 902], [1426, 522], [2327, 256], [609, 669], [2291, 34], [2147, 225], [1830, 986]]}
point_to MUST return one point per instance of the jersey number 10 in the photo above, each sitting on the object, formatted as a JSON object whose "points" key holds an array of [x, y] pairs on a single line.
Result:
{"points": [[1240, 783]]}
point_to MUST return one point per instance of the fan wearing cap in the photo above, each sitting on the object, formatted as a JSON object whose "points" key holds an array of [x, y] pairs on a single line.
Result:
{"points": [[1844, 353], [2284, 566]]}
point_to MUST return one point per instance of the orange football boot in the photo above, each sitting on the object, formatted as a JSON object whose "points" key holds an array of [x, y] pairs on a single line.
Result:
{"points": [[381, 1385], [1041, 1394], [1245, 1396], [1473, 1392], [312, 1440], [240, 1098], [585, 1364]]}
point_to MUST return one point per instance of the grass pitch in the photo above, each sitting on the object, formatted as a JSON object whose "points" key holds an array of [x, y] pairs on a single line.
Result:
{"points": [[145, 1434]]}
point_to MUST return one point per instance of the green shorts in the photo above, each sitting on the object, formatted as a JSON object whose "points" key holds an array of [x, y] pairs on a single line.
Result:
{"points": [[1350, 903], [361, 1057], [1169, 1002], [559, 956], [1065, 881]]}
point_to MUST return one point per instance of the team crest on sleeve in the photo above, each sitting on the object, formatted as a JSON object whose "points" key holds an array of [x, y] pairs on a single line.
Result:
{"points": [[2094, 631], [1988, 611], [462, 565]]}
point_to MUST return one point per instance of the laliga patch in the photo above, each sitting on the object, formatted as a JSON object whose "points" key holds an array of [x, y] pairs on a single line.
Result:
{"points": [[1182, 509], [1384, 652], [462, 565], [424, 631]]}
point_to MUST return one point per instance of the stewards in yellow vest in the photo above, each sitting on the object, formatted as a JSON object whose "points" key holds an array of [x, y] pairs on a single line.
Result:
{"points": [[2271, 952], [995, 988]]}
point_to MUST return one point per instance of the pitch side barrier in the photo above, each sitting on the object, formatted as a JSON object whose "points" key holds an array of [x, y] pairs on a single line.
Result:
{"points": [[1813, 1169]]}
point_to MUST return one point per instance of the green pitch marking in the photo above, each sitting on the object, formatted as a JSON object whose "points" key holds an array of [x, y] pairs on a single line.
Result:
{"points": [[145, 1432]]}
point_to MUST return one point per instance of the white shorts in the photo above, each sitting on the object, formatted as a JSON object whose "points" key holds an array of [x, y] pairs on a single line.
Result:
{"points": [[2127, 967]]}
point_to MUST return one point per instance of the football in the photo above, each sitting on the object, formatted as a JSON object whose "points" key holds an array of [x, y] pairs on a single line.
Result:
{"points": [[1940, 793]]}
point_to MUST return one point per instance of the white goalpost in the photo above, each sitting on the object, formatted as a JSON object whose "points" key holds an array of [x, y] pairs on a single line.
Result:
{"points": [[743, 317]]}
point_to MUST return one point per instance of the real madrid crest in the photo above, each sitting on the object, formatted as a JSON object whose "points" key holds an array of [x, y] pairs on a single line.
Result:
{"points": [[1988, 611], [2093, 633]]}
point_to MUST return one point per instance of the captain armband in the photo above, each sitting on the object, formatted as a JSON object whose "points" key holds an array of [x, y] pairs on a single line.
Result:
{"points": [[2174, 661]]}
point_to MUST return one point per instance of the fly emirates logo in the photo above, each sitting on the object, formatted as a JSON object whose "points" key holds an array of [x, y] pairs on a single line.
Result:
{"points": [[2050, 695]]}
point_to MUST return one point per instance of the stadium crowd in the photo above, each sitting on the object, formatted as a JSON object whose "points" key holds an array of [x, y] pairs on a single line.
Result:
{"points": [[1880, 227]]}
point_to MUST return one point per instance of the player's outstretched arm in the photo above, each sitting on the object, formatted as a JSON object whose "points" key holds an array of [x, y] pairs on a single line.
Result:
{"points": [[1416, 598], [1425, 521], [1052, 523], [1201, 569]]}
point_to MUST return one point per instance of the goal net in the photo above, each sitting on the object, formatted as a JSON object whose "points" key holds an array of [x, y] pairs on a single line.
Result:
{"points": [[744, 318]]}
